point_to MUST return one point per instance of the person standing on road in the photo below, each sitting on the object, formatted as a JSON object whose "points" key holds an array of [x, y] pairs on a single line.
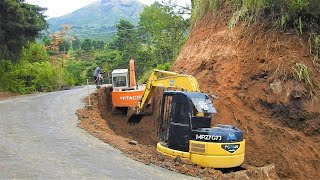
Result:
{"points": [[96, 73]]}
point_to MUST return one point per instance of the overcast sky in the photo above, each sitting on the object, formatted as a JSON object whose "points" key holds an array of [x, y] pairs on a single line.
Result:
{"points": [[58, 8]]}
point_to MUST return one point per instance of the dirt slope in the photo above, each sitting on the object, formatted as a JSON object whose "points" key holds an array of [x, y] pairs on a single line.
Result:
{"points": [[252, 70]]}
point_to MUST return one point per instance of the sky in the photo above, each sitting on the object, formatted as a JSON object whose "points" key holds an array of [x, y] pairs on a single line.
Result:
{"points": [[58, 8]]}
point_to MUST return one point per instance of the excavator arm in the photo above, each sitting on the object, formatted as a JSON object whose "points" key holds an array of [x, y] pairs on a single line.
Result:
{"points": [[166, 79]]}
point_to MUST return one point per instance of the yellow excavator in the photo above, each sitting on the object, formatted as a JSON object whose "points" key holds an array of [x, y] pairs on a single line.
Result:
{"points": [[184, 127]]}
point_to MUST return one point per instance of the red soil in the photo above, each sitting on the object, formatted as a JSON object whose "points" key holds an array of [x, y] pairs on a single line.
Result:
{"points": [[6, 95]]}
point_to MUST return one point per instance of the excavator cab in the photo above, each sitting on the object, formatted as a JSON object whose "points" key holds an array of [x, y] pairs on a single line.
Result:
{"points": [[120, 78], [180, 113]]}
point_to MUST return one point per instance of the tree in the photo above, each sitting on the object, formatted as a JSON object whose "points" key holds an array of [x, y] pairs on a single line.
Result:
{"points": [[99, 45], [184, 10], [162, 28], [127, 40], [65, 46], [34, 52], [61, 40], [46, 40], [87, 45], [76, 45], [20, 22]]}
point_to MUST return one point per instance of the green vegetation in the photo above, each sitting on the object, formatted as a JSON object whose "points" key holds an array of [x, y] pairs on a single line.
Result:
{"points": [[303, 73], [284, 13], [34, 72], [156, 40], [164, 30], [199, 7], [127, 40], [34, 52], [299, 14], [63, 59], [145, 77], [315, 47], [19, 23], [60, 60]]}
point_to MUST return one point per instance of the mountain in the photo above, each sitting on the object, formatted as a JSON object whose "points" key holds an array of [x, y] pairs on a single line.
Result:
{"points": [[97, 20]]}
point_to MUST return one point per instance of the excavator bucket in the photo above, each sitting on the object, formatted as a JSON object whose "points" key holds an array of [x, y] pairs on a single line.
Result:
{"points": [[134, 117]]}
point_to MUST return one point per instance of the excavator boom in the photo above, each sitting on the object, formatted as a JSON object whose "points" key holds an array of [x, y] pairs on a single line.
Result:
{"points": [[132, 73]]}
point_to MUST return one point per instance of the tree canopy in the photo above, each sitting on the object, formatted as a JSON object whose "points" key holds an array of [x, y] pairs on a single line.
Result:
{"points": [[164, 29], [20, 22], [127, 39]]}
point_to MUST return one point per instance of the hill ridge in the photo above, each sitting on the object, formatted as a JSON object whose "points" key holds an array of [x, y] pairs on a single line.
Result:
{"points": [[98, 19]]}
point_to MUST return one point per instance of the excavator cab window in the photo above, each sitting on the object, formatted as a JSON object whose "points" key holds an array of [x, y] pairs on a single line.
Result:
{"points": [[119, 81]]}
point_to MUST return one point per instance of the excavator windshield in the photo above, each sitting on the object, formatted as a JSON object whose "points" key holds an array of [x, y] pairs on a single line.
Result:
{"points": [[120, 78], [119, 81]]}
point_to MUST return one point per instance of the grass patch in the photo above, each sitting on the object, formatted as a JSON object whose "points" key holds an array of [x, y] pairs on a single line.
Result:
{"points": [[198, 10], [201, 6], [214, 5], [314, 42], [303, 74], [302, 15], [237, 16]]}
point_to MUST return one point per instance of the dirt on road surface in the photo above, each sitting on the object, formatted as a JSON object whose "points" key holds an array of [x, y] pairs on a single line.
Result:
{"points": [[7, 95], [39, 139]]}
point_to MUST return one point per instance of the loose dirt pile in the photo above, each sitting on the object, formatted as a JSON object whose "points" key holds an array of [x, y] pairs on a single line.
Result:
{"points": [[138, 141], [254, 73]]}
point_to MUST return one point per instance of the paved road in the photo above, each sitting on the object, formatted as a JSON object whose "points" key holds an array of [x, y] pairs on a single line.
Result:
{"points": [[39, 139]]}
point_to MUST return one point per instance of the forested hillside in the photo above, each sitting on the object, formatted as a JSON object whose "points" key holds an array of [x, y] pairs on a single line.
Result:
{"points": [[97, 20]]}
